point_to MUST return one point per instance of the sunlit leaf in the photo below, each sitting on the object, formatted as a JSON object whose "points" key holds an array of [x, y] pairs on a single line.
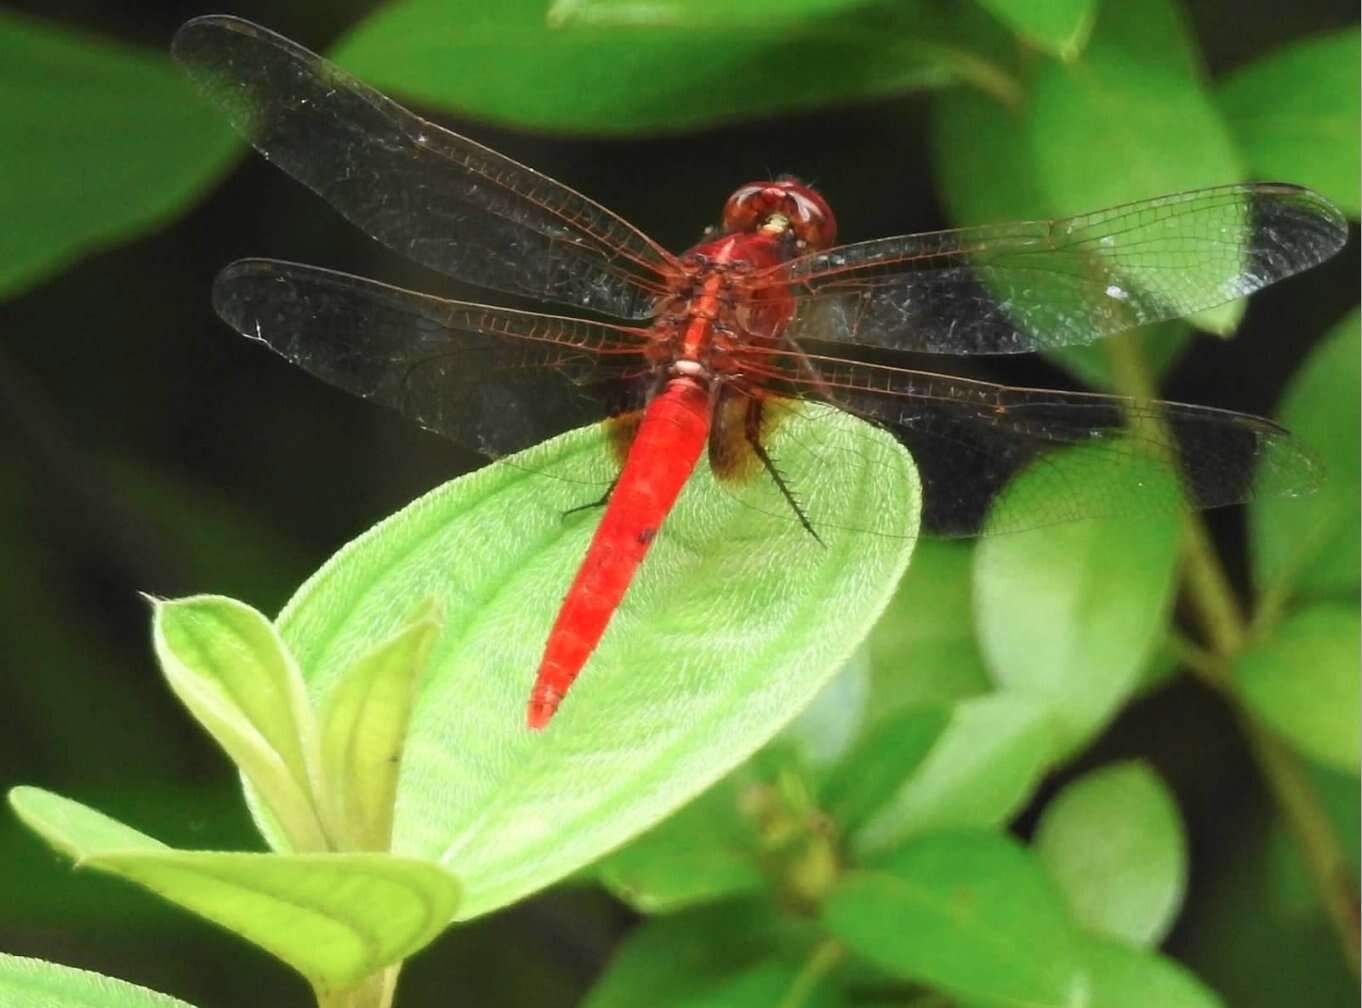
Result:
{"points": [[229, 667], [99, 141], [979, 771], [1129, 119], [364, 727], [32, 983], [1124, 976], [1294, 114], [472, 57], [731, 954], [734, 623], [1060, 27], [1070, 613], [336, 918], [967, 913], [1113, 841], [923, 651], [1309, 546], [1303, 682]]}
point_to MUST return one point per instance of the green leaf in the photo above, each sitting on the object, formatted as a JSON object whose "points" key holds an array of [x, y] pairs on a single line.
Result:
{"points": [[873, 772], [683, 74], [1310, 546], [1123, 976], [1303, 682], [1071, 613], [923, 651], [364, 728], [1129, 120], [336, 918], [228, 666], [828, 726], [699, 957], [1114, 842], [705, 852], [32, 983], [970, 914], [733, 624], [98, 142], [731, 14], [1294, 114], [1059, 27], [981, 769]]}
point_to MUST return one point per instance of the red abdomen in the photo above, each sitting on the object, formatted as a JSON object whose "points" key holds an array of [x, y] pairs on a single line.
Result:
{"points": [[664, 452]]}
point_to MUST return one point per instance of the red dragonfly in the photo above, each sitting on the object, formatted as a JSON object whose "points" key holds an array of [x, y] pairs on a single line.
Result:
{"points": [[754, 330]]}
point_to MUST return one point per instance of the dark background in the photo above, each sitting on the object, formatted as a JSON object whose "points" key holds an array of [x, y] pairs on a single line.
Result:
{"points": [[149, 448]]}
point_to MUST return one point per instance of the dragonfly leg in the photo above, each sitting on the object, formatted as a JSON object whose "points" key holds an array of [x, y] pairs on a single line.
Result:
{"points": [[760, 451], [604, 500]]}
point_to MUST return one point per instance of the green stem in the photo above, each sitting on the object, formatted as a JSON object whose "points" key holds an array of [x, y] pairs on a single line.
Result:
{"points": [[1226, 630], [375, 991], [826, 955]]}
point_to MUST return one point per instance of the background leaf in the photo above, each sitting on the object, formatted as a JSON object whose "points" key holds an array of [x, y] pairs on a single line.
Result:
{"points": [[32, 983], [1113, 841], [735, 953], [98, 141], [470, 56], [1309, 546], [979, 771], [1070, 614], [1123, 976], [725, 635], [967, 913], [1060, 27], [1294, 114], [336, 918], [1303, 682]]}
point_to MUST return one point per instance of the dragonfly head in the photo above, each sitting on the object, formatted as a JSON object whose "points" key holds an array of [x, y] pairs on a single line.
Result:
{"points": [[785, 206]]}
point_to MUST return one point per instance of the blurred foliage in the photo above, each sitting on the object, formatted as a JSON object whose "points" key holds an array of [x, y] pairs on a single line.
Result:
{"points": [[957, 812]]}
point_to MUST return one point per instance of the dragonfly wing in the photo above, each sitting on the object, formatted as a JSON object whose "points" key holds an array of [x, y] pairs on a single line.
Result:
{"points": [[1087, 455], [446, 202], [1035, 285], [493, 379]]}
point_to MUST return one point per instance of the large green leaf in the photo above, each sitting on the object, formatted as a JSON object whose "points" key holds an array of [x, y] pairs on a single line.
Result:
{"points": [[980, 769], [336, 918], [98, 142], [733, 954], [1060, 27], [226, 663], [735, 621], [1294, 114], [1303, 681], [504, 61], [1070, 613], [969, 913], [1310, 546], [1124, 976], [1114, 842], [32, 983]]}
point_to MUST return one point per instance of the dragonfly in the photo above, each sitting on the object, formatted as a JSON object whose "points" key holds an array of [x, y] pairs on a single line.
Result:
{"points": [[750, 338]]}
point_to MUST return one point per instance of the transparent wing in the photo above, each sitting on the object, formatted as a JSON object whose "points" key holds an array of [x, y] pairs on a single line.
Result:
{"points": [[492, 379], [1034, 285], [1088, 455], [430, 194]]}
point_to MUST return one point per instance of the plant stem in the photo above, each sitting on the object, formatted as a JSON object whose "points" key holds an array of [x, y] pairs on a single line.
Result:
{"points": [[822, 959], [1226, 631], [375, 991]]}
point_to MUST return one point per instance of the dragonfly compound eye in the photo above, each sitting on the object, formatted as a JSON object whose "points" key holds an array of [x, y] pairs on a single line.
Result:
{"points": [[784, 205]]}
